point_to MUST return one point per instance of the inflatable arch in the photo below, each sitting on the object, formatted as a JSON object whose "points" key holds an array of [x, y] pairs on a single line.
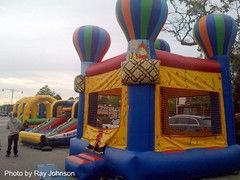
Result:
{"points": [[16, 105], [57, 107], [74, 112], [175, 113], [20, 107], [32, 106]]}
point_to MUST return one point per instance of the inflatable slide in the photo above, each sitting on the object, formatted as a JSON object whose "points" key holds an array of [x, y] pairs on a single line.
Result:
{"points": [[55, 132]]}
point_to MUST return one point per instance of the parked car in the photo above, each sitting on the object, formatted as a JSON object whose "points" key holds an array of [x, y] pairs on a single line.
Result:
{"points": [[190, 123], [3, 114]]}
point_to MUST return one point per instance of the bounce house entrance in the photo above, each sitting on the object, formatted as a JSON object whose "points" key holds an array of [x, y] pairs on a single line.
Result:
{"points": [[103, 117], [190, 112]]}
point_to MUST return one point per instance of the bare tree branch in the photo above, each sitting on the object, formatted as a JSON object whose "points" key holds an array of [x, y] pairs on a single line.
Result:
{"points": [[185, 12]]}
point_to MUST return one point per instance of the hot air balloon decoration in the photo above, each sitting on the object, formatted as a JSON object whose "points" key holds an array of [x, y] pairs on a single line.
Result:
{"points": [[215, 34], [162, 45], [91, 44], [141, 22]]}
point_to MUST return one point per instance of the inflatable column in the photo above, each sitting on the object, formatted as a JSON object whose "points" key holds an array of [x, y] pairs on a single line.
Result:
{"points": [[215, 34], [91, 44], [141, 22]]}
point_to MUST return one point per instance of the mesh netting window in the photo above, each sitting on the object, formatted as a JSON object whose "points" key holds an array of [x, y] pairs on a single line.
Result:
{"points": [[190, 112], [104, 109]]}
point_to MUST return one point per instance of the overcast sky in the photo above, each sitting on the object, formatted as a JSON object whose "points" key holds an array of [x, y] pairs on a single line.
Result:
{"points": [[36, 46]]}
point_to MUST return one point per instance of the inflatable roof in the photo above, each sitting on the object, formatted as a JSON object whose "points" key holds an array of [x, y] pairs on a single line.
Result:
{"points": [[166, 58]]}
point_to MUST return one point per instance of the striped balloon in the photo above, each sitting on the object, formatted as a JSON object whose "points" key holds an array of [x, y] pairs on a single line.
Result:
{"points": [[91, 43], [215, 34], [161, 44], [141, 19]]}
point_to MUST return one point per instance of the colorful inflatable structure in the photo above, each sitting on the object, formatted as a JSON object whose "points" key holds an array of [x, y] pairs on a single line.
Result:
{"points": [[173, 115], [57, 130], [19, 103], [34, 110], [19, 106], [37, 110]]}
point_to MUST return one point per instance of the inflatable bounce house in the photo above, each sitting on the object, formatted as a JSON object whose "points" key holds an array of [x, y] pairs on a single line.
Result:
{"points": [[37, 109], [57, 130], [34, 110], [172, 115]]}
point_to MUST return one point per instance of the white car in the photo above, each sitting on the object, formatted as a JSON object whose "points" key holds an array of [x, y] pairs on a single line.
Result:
{"points": [[192, 123]]}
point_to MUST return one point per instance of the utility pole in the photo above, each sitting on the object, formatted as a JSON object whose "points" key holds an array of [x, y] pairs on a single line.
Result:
{"points": [[12, 90]]}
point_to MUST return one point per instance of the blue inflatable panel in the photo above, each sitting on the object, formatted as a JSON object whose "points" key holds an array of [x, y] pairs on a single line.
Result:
{"points": [[42, 110], [77, 146], [47, 168], [86, 166], [227, 95], [69, 103], [80, 115], [189, 164], [141, 118]]}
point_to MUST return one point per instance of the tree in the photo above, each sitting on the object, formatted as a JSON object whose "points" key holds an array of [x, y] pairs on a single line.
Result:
{"points": [[183, 15], [6, 108], [109, 100], [71, 98], [45, 90], [236, 91], [57, 97]]}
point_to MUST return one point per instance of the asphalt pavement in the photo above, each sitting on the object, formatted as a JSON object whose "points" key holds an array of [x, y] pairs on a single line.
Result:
{"points": [[29, 159]]}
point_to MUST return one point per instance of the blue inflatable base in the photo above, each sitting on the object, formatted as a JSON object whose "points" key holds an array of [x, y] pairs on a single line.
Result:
{"points": [[77, 146], [86, 171], [189, 164]]}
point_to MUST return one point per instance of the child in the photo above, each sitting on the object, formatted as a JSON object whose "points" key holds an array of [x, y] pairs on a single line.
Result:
{"points": [[14, 126]]}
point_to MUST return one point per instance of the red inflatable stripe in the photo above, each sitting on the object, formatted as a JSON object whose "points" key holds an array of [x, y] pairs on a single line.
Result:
{"points": [[89, 157], [77, 160], [166, 58], [70, 128]]}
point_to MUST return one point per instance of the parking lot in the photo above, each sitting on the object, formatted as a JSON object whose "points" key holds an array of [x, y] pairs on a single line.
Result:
{"points": [[29, 158]]}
